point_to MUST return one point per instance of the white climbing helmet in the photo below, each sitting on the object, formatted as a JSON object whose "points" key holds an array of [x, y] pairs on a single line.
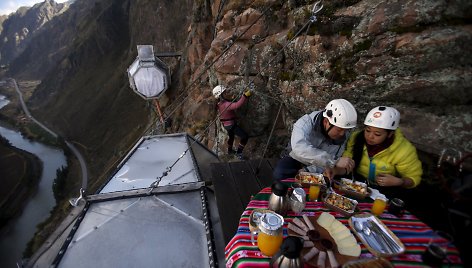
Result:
{"points": [[218, 90], [341, 113], [383, 117]]}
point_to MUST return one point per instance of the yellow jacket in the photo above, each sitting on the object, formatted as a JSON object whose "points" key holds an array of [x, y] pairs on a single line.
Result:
{"points": [[399, 159]]}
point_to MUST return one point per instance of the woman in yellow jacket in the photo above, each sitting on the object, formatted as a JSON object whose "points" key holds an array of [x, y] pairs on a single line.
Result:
{"points": [[382, 155]]}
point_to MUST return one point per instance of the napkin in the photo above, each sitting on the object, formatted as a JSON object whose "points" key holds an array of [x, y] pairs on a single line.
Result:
{"points": [[376, 193]]}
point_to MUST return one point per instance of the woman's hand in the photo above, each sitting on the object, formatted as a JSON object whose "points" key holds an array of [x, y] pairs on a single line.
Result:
{"points": [[388, 180]]}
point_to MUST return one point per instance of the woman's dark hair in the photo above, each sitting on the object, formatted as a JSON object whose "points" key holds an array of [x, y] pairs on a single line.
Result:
{"points": [[358, 148]]}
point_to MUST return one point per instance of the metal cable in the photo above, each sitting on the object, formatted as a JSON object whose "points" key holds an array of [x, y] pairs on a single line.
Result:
{"points": [[169, 169]]}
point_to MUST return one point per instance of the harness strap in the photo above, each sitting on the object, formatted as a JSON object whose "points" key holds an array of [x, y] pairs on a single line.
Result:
{"points": [[228, 119]]}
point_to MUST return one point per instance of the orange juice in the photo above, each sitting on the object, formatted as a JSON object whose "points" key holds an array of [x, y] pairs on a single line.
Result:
{"points": [[314, 192], [269, 244], [379, 206]]}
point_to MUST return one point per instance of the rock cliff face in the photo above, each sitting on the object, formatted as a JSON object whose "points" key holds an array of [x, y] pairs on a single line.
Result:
{"points": [[18, 28], [411, 55]]}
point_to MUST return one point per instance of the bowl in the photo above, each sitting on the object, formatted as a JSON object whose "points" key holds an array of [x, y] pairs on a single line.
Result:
{"points": [[307, 178], [345, 187], [339, 203]]}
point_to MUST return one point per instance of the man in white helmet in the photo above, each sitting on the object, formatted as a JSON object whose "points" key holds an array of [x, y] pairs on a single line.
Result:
{"points": [[318, 141]]}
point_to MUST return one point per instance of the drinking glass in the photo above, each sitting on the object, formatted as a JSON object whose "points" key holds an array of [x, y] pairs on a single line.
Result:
{"points": [[379, 205], [396, 207], [436, 250], [314, 192]]}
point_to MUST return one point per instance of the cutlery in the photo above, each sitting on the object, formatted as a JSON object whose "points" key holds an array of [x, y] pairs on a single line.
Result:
{"points": [[366, 233], [387, 240]]}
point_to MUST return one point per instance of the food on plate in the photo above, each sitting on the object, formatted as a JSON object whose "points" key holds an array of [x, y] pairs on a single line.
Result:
{"points": [[308, 222], [346, 241], [308, 244], [355, 186], [332, 259], [336, 226], [325, 236], [300, 224], [310, 254], [307, 178], [311, 178], [296, 229], [341, 235], [325, 220], [339, 201], [354, 251], [321, 259]]}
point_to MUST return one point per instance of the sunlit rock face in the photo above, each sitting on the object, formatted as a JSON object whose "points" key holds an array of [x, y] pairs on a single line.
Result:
{"points": [[412, 55]]}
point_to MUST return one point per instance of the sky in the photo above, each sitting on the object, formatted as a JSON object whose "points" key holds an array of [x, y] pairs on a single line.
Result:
{"points": [[10, 6]]}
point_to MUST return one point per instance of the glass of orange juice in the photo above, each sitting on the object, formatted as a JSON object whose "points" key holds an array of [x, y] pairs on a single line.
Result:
{"points": [[379, 205], [314, 192]]}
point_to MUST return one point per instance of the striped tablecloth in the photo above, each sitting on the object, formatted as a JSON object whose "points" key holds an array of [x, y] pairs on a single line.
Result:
{"points": [[413, 233]]}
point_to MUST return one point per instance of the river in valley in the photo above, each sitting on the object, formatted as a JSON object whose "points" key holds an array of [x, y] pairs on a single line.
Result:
{"points": [[38, 208]]}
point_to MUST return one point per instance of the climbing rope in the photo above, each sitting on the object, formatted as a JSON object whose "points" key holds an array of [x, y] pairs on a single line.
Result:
{"points": [[315, 10], [309, 22]]}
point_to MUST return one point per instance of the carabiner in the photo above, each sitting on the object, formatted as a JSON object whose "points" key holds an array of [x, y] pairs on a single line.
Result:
{"points": [[315, 10]]}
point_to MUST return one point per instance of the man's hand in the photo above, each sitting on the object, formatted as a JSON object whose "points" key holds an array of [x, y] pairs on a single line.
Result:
{"points": [[346, 163], [329, 172]]}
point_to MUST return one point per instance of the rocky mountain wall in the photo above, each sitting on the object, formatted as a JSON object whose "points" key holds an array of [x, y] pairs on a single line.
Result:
{"points": [[412, 55], [19, 28]]}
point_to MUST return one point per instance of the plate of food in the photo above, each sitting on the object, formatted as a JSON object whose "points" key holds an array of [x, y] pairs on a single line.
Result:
{"points": [[339, 203], [376, 236], [356, 189], [307, 178], [327, 242]]}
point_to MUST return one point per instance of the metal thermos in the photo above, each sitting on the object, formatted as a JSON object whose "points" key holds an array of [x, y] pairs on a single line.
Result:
{"points": [[278, 200], [289, 254]]}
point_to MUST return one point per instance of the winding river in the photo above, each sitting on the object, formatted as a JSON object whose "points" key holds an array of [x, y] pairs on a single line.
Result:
{"points": [[22, 229]]}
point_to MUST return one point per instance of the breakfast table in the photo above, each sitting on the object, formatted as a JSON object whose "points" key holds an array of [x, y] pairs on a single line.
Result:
{"points": [[412, 232]]}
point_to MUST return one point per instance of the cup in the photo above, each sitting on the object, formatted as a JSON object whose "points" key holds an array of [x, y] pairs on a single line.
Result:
{"points": [[436, 251], [314, 192], [433, 255], [396, 207], [379, 205]]}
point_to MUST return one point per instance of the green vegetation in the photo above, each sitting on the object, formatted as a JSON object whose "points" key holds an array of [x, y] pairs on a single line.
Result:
{"points": [[288, 76], [34, 132], [59, 184]]}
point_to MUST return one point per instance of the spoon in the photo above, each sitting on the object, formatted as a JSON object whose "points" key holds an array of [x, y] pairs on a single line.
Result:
{"points": [[361, 229]]}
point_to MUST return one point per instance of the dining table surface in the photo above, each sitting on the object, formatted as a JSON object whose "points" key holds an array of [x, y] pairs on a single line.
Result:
{"points": [[412, 232]]}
